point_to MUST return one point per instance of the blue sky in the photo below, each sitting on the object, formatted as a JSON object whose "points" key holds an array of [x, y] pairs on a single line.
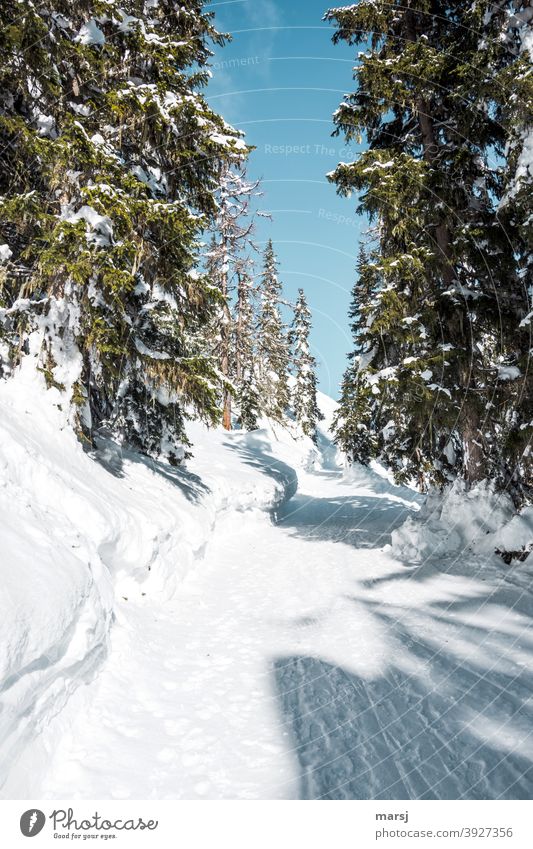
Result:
{"points": [[280, 80]]}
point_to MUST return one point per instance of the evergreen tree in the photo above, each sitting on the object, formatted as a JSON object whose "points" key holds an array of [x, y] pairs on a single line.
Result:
{"points": [[219, 328], [304, 400], [227, 265], [249, 400], [110, 165], [273, 355], [353, 422], [514, 214], [245, 354], [438, 351]]}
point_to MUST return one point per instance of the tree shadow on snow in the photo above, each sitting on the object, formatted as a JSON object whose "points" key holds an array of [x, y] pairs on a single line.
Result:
{"points": [[449, 715], [112, 456], [360, 521], [364, 521], [254, 451], [357, 739]]}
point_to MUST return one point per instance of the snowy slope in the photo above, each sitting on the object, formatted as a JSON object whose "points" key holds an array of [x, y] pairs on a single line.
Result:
{"points": [[259, 624], [77, 534], [303, 659]]}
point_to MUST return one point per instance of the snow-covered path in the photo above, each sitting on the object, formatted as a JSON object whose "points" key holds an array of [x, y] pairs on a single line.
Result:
{"points": [[301, 660]]}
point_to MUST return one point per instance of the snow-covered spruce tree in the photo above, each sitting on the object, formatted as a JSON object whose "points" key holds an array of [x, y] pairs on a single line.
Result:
{"points": [[110, 157], [217, 331], [273, 347], [245, 353], [353, 422], [303, 395], [437, 347], [249, 401], [228, 264], [515, 211]]}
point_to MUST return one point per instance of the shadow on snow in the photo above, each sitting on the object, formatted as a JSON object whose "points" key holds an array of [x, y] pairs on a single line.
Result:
{"points": [[449, 713], [111, 456], [254, 451], [360, 521]]}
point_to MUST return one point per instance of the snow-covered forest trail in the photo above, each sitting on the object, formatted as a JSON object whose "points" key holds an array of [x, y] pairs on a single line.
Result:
{"points": [[300, 659]]}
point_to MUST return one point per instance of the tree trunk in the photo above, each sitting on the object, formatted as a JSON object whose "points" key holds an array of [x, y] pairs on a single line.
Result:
{"points": [[430, 149], [226, 416], [474, 459], [238, 341], [225, 343]]}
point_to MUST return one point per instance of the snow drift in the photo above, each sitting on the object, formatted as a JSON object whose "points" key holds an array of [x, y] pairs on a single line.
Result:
{"points": [[462, 522]]}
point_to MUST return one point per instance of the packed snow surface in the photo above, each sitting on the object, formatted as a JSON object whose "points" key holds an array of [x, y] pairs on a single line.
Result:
{"points": [[243, 628]]}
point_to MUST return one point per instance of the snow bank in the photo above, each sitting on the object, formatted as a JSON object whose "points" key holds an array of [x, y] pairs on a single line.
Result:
{"points": [[461, 522], [78, 531], [377, 478]]}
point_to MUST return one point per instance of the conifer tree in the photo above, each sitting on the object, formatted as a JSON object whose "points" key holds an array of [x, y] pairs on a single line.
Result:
{"points": [[273, 353], [110, 162], [437, 362], [228, 263], [353, 423], [249, 400], [304, 400], [514, 213], [245, 354]]}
